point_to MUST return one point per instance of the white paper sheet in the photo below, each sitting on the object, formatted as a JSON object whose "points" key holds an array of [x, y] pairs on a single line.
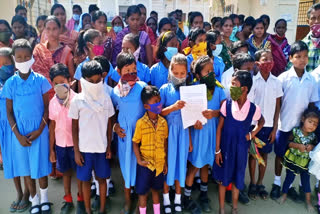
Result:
{"points": [[196, 102]]}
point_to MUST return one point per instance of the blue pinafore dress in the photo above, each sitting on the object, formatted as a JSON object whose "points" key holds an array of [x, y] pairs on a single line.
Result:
{"points": [[234, 149]]}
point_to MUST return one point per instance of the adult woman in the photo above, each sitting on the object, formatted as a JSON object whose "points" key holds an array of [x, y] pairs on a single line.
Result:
{"points": [[5, 34], [117, 26], [152, 23], [226, 27], [195, 21]]}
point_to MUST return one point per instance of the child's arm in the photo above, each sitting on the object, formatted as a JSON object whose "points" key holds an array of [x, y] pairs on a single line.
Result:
{"points": [[165, 168], [23, 140], [44, 121], [138, 155], [256, 129], [218, 141], [52, 137], [109, 137], [175, 107], [300, 147], [116, 127], [149, 55], [75, 136], [71, 67], [209, 114], [190, 141], [272, 135]]}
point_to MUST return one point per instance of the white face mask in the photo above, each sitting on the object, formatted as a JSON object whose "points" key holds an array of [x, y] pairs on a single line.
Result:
{"points": [[24, 67], [136, 54], [91, 90], [218, 50]]}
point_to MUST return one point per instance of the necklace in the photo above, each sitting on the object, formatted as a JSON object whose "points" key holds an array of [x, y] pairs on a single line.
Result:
{"points": [[153, 121]]}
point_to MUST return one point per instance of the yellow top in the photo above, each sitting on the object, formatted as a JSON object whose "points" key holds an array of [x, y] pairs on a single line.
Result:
{"points": [[152, 141]]}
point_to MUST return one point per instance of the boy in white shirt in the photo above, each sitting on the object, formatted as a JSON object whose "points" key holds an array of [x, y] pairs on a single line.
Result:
{"points": [[300, 91], [266, 92], [91, 113]]}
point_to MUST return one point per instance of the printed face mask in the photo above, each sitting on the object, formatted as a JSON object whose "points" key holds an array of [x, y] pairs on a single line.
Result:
{"points": [[126, 83], [76, 17], [24, 67], [315, 29], [209, 80], [155, 108], [117, 29], [218, 50], [266, 66], [177, 82], [62, 93], [171, 51], [235, 93], [199, 50], [98, 50]]}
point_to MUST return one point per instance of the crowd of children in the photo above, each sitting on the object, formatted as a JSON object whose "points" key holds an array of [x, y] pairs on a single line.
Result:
{"points": [[78, 94]]}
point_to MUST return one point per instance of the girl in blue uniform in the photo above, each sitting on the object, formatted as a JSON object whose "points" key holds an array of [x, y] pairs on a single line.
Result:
{"points": [[130, 43], [166, 49], [233, 138], [126, 97], [27, 108], [204, 136], [179, 141]]}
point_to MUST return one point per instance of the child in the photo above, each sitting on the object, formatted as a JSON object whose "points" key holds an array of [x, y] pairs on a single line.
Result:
{"points": [[131, 44], [27, 110], [150, 149], [297, 84], [133, 17], [239, 47], [233, 138], [91, 113], [280, 47], [40, 26], [266, 92], [126, 98], [167, 47], [296, 160], [259, 38], [214, 48], [61, 143], [179, 142], [204, 138]]}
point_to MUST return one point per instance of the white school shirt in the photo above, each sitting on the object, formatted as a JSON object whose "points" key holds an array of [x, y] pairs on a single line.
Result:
{"points": [[264, 94], [92, 125], [226, 81], [297, 94], [316, 74]]}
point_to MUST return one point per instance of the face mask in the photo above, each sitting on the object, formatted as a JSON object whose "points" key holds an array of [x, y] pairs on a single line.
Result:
{"points": [[62, 93], [91, 90], [75, 17], [24, 67], [266, 66], [155, 108], [240, 28], [218, 50], [117, 29], [126, 83], [136, 54], [315, 29], [199, 50], [177, 82], [234, 33], [25, 18], [280, 37], [5, 36], [171, 51], [209, 80], [98, 50], [235, 93], [6, 71]]}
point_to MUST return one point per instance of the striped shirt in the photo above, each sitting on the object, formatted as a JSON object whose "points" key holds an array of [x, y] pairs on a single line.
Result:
{"points": [[313, 54]]}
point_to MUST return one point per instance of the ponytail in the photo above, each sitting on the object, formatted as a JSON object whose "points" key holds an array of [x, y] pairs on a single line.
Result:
{"points": [[86, 36]]}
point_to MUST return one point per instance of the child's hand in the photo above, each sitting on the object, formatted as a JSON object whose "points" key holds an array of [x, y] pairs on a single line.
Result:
{"points": [[53, 158], [309, 147], [219, 159], [119, 131], [78, 158], [179, 105], [198, 125], [302, 148], [143, 163], [248, 137], [108, 153], [33, 135], [165, 169], [24, 141], [208, 114], [272, 136], [190, 147]]}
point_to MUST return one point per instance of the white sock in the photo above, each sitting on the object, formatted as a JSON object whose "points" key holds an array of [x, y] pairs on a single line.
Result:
{"points": [[108, 182], [290, 186], [317, 184], [44, 198], [35, 201], [177, 200], [166, 201], [97, 188], [277, 180], [300, 184]]}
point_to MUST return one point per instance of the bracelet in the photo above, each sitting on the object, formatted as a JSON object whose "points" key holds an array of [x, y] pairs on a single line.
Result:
{"points": [[218, 152], [14, 126], [114, 126], [45, 122], [250, 136]]}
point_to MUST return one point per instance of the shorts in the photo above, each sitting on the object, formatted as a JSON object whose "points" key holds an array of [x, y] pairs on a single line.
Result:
{"points": [[281, 143], [65, 159], [96, 162], [146, 180], [263, 135]]}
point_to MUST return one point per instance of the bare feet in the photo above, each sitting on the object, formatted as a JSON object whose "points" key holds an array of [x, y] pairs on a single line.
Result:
{"points": [[235, 211], [309, 206], [282, 199], [221, 211]]}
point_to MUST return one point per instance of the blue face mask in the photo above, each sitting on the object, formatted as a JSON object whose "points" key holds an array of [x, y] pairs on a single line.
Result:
{"points": [[25, 18], [6, 71], [117, 29], [155, 108], [171, 51]]}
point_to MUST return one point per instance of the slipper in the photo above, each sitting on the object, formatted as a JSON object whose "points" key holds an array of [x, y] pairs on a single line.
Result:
{"points": [[262, 192], [23, 206], [13, 206], [35, 207], [252, 192], [48, 211]]}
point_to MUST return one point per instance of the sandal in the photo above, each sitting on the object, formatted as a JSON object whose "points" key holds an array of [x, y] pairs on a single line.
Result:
{"points": [[165, 207], [235, 211], [262, 192], [48, 211], [252, 192], [23, 206], [177, 205], [13, 206], [35, 207]]}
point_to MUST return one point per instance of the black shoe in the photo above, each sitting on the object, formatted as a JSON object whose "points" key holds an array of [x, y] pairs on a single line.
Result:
{"points": [[229, 196], [80, 207], [112, 189], [93, 190], [243, 197], [318, 209], [191, 206], [66, 208], [96, 203], [302, 195], [204, 203], [293, 195], [275, 192]]}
